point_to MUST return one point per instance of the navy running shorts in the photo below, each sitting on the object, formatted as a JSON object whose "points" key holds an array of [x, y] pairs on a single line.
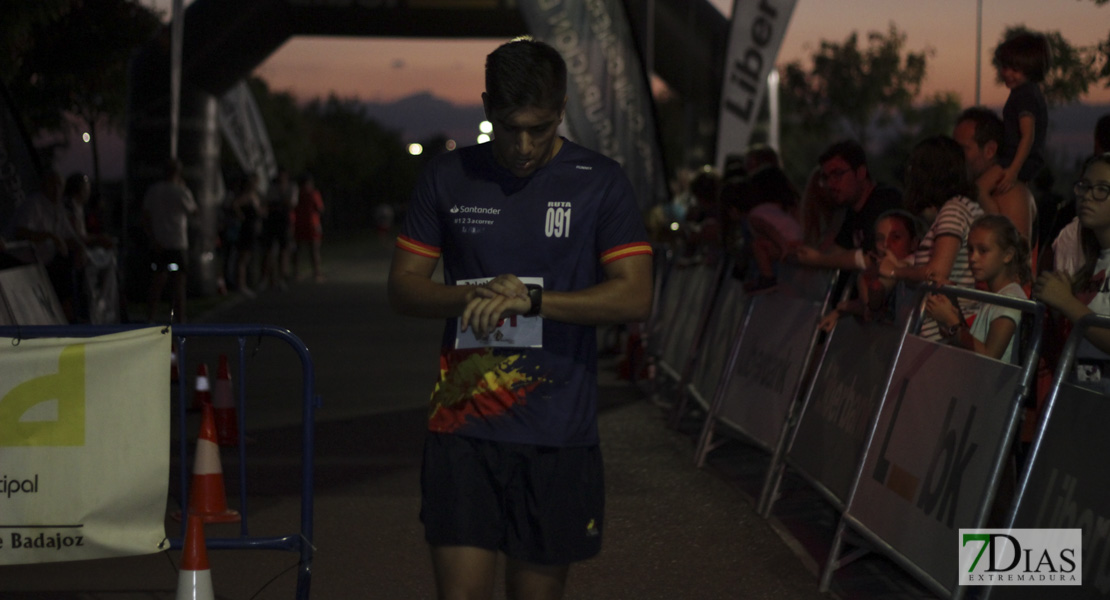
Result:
{"points": [[539, 504]]}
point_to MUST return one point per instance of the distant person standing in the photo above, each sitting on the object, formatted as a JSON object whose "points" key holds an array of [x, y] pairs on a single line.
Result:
{"points": [[277, 234], [308, 227], [248, 211], [42, 220], [1022, 62], [167, 206]]}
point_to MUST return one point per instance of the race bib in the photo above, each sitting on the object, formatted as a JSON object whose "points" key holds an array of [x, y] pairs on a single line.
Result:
{"points": [[512, 332]]}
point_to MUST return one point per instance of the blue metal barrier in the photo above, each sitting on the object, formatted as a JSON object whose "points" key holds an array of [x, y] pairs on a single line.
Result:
{"points": [[300, 542]]}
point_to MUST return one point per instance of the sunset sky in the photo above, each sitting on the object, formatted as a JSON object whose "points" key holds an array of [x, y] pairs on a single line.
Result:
{"points": [[386, 69], [389, 69]]}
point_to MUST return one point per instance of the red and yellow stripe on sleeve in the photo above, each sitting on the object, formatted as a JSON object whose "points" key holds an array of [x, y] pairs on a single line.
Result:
{"points": [[625, 251], [410, 245]]}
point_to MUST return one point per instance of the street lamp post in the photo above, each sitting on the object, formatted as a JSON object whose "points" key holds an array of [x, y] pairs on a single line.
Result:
{"points": [[978, 48]]}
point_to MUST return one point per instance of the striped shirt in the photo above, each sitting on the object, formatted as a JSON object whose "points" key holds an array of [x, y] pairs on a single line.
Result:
{"points": [[954, 219]]}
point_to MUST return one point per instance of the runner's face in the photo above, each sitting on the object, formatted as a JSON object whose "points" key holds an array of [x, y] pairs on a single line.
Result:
{"points": [[525, 139]]}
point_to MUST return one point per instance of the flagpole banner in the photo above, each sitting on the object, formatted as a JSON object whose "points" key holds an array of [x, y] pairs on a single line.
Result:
{"points": [[609, 108], [84, 446], [754, 39], [245, 131], [29, 297]]}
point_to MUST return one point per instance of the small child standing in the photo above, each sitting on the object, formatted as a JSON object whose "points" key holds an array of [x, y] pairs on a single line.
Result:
{"points": [[999, 258], [896, 234], [1022, 62]]}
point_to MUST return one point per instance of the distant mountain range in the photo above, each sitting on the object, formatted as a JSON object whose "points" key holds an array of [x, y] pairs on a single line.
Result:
{"points": [[424, 116], [1072, 130]]}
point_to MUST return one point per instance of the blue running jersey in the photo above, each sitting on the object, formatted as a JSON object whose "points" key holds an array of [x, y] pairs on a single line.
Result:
{"points": [[562, 224]]}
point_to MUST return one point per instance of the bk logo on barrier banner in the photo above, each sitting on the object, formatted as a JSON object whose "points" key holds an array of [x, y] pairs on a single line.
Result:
{"points": [[1021, 557]]}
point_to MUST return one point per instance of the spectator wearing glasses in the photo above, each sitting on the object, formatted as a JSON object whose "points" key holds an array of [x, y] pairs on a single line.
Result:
{"points": [[848, 183], [1088, 290]]}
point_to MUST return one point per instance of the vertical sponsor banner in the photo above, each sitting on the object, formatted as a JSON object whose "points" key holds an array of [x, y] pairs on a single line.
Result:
{"points": [[754, 38], [19, 175], [1067, 488], [832, 431], [927, 469], [245, 132], [84, 434], [609, 108]]}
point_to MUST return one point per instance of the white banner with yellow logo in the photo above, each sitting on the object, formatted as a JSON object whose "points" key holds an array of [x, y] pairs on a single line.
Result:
{"points": [[84, 446]]}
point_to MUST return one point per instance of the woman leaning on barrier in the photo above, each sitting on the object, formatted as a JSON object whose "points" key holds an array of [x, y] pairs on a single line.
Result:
{"points": [[940, 191], [1088, 290]]}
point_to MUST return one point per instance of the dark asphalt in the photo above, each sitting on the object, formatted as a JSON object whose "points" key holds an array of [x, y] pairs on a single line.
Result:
{"points": [[673, 531]]}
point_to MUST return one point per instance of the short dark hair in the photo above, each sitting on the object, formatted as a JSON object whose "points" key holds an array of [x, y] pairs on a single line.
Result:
{"points": [[1027, 52], [988, 125], [525, 73], [771, 184], [849, 150]]}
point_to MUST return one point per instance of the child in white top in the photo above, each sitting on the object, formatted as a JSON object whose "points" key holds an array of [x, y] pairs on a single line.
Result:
{"points": [[998, 256]]}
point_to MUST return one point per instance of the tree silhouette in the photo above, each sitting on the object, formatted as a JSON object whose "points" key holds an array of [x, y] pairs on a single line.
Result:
{"points": [[855, 88], [70, 58]]}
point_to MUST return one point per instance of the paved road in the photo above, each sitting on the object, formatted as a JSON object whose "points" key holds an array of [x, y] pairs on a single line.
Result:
{"points": [[673, 531]]}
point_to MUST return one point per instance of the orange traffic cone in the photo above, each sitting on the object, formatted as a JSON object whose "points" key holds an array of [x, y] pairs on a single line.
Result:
{"points": [[194, 582], [203, 393], [223, 407], [207, 499]]}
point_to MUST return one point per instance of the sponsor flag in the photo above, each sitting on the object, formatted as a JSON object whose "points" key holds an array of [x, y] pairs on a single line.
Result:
{"points": [[754, 38], [243, 128], [609, 108]]}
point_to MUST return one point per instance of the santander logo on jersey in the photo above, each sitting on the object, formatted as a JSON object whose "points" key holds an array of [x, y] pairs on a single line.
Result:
{"points": [[477, 210]]}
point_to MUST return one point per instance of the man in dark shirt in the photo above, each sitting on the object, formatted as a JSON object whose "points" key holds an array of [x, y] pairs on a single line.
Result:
{"points": [[845, 176]]}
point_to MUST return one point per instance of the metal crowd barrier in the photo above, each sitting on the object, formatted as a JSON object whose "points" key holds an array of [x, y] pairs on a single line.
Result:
{"points": [[1063, 485], [910, 504], [928, 431], [300, 541], [768, 358]]}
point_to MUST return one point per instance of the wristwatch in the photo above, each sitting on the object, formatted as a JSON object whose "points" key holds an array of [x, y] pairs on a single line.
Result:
{"points": [[950, 330], [535, 295]]}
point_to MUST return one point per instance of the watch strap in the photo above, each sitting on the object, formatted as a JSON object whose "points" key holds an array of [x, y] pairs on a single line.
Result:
{"points": [[535, 296]]}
